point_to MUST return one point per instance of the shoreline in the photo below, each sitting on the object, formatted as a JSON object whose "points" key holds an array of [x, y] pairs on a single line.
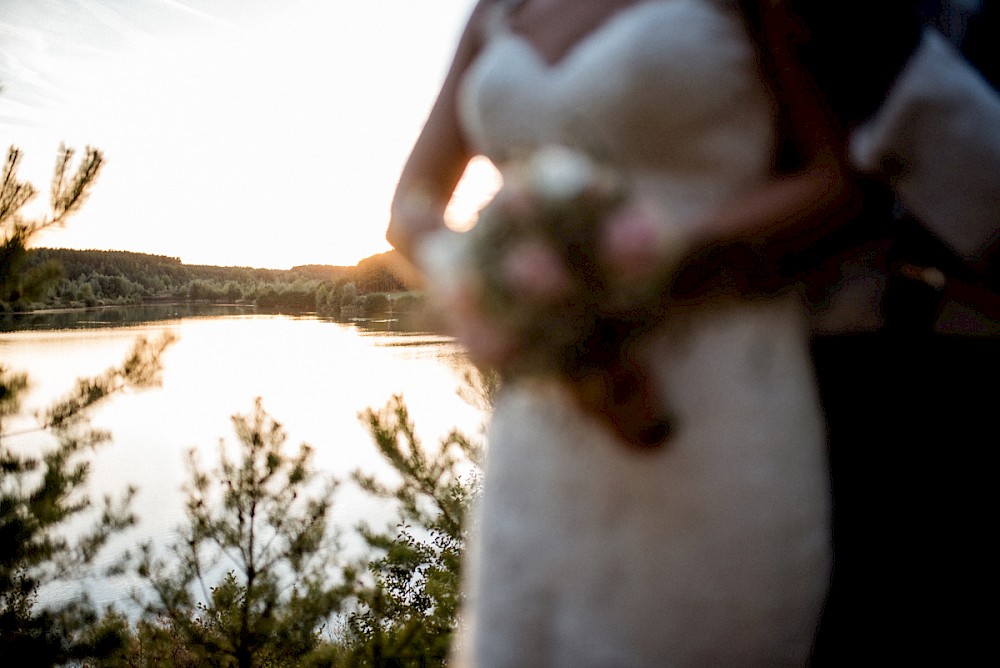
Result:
{"points": [[48, 310]]}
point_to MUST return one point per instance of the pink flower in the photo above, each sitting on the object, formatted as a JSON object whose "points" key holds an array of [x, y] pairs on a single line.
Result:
{"points": [[487, 341], [638, 240], [535, 271]]}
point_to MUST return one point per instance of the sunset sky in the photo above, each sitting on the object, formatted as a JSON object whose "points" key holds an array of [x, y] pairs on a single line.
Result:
{"points": [[265, 133]]}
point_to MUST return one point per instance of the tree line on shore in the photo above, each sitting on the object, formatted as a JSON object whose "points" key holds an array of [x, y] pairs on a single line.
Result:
{"points": [[87, 278]]}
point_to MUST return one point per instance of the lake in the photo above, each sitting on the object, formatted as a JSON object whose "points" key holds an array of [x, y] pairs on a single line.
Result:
{"points": [[314, 377]]}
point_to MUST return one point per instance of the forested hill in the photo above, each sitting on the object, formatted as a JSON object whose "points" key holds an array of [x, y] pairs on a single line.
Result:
{"points": [[93, 277]]}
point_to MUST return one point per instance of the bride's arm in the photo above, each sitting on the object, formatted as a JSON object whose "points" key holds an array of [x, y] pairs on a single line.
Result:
{"points": [[440, 154]]}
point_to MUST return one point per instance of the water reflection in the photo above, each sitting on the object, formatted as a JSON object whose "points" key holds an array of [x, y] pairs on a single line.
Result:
{"points": [[114, 316], [314, 376]]}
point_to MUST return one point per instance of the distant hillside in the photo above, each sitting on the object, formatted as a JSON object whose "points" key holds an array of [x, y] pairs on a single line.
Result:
{"points": [[94, 277]]}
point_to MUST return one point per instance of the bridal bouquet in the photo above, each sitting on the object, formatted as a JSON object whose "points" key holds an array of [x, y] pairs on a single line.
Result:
{"points": [[568, 269]]}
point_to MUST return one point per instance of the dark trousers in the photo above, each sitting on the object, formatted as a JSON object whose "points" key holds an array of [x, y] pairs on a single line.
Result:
{"points": [[913, 436]]}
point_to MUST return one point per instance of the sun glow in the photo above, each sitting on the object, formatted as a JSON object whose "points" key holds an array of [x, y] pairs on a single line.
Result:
{"points": [[479, 183], [255, 133]]}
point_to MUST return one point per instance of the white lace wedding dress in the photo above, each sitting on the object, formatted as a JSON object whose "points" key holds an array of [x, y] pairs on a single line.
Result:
{"points": [[714, 549]]}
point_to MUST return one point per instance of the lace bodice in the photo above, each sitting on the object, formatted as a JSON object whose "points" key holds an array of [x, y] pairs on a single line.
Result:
{"points": [[665, 89], [713, 550]]}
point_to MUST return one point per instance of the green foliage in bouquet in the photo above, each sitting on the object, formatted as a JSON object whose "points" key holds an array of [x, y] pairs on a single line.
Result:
{"points": [[571, 269], [566, 260]]}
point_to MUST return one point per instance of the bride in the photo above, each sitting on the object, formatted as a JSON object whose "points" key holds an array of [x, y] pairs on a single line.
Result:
{"points": [[712, 549]]}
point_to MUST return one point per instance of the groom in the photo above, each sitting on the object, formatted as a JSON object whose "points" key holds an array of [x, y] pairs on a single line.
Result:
{"points": [[909, 407]]}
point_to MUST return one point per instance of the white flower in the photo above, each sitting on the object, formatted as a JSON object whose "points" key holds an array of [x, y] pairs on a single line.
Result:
{"points": [[558, 173], [443, 257]]}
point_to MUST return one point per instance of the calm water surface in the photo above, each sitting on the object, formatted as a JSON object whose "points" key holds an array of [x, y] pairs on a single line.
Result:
{"points": [[313, 375]]}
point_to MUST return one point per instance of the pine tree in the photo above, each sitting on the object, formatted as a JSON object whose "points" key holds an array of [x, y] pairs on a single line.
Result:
{"points": [[41, 492], [264, 514]]}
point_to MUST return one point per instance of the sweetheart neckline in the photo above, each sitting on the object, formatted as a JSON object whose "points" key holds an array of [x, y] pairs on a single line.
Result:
{"points": [[594, 34]]}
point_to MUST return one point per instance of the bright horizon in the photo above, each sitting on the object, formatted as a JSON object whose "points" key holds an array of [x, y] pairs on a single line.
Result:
{"points": [[261, 133]]}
